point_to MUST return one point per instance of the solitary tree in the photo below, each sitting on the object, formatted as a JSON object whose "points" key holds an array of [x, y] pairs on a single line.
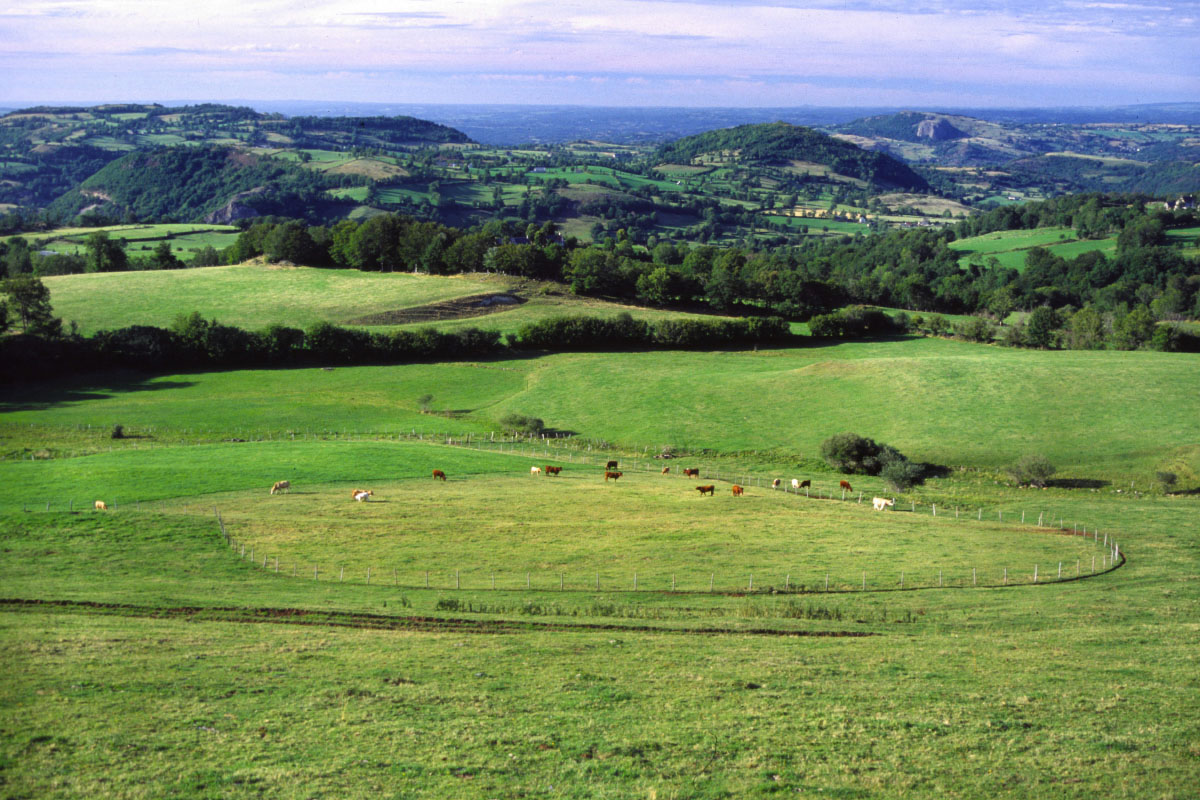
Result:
{"points": [[30, 299]]}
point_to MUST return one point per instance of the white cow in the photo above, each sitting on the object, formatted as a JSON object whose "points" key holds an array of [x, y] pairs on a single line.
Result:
{"points": [[881, 503], [535, 470], [796, 484], [361, 496]]}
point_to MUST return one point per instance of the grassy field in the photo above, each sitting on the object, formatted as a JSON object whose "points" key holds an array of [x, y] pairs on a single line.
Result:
{"points": [[250, 296], [160, 659], [730, 402], [254, 296]]}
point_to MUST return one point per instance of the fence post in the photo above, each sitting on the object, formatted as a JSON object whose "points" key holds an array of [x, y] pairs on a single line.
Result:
{"points": [[1006, 576], [672, 581], [457, 580], [864, 580], [787, 582], [901, 579], [711, 575], [827, 581], [426, 579], [560, 581], [751, 582], [973, 583], [1060, 570], [342, 574], [635, 580], [1035, 566], [368, 576]]}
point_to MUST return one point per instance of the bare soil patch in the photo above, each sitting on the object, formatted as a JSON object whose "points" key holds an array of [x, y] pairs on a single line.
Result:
{"points": [[476, 305]]}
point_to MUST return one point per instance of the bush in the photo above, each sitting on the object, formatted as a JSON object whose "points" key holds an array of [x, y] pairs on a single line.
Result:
{"points": [[118, 432], [901, 474], [851, 453], [519, 423], [1167, 479], [1032, 469]]}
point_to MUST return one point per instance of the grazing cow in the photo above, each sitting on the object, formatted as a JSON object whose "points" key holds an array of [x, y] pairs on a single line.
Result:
{"points": [[361, 496], [803, 484], [795, 484], [281, 486], [737, 490], [437, 473], [611, 465], [553, 471], [666, 470], [881, 503], [356, 492], [845, 485], [691, 472], [613, 475], [534, 470], [775, 483], [703, 490], [101, 505]]}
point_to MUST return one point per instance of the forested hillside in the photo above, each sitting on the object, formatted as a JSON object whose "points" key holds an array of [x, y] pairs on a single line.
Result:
{"points": [[188, 183]]}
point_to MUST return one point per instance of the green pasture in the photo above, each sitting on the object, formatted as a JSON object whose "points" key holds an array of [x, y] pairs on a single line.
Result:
{"points": [[198, 670], [249, 296], [991, 403], [1009, 247]]}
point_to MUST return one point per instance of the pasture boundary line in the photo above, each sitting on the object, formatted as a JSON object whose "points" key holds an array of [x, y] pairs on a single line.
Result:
{"points": [[272, 564], [349, 619]]}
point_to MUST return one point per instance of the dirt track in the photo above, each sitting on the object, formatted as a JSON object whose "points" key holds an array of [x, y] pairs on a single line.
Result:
{"points": [[346, 619]]}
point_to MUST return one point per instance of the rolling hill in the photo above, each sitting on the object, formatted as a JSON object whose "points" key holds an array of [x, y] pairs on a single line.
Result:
{"points": [[780, 144]]}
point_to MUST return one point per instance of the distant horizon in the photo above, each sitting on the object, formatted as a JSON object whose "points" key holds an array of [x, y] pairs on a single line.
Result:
{"points": [[930, 108]]}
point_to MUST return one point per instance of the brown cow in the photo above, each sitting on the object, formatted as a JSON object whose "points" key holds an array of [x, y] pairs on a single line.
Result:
{"points": [[804, 484], [437, 473], [363, 496], [611, 465], [281, 486], [775, 483], [613, 475], [356, 492], [845, 486], [691, 472], [553, 471], [666, 470], [737, 490], [703, 490]]}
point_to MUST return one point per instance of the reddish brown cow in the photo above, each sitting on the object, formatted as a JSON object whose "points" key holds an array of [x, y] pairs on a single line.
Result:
{"points": [[437, 473], [611, 465], [666, 470], [703, 490], [691, 472], [737, 490], [845, 486], [552, 471], [613, 475]]}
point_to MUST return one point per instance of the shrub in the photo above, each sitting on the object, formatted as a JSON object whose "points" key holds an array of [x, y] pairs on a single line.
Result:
{"points": [[118, 432], [519, 423], [901, 474], [1032, 469], [1167, 479]]}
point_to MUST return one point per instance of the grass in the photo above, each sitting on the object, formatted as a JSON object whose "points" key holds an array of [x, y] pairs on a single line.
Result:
{"points": [[1009, 248], [250, 296], [986, 415], [172, 666]]}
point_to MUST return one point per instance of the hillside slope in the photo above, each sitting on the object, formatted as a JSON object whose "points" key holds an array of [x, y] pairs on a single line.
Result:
{"points": [[778, 143]]}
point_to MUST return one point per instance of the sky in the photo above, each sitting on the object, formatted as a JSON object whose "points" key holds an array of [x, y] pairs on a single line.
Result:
{"points": [[902, 53]]}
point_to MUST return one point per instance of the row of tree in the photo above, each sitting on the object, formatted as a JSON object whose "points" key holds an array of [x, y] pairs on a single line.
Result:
{"points": [[194, 342]]}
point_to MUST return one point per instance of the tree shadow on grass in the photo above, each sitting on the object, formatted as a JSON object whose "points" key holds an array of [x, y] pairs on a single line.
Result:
{"points": [[36, 396]]}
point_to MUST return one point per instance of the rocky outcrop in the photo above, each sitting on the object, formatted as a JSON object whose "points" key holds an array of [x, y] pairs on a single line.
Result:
{"points": [[232, 211], [939, 130]]}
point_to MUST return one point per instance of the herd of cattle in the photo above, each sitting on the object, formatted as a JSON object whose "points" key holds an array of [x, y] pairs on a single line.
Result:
{"points": [[610, 473]]}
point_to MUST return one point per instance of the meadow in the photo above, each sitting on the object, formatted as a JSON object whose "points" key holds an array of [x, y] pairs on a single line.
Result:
{"points": [[1010, 248], [150, 650], [248, 295]]}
